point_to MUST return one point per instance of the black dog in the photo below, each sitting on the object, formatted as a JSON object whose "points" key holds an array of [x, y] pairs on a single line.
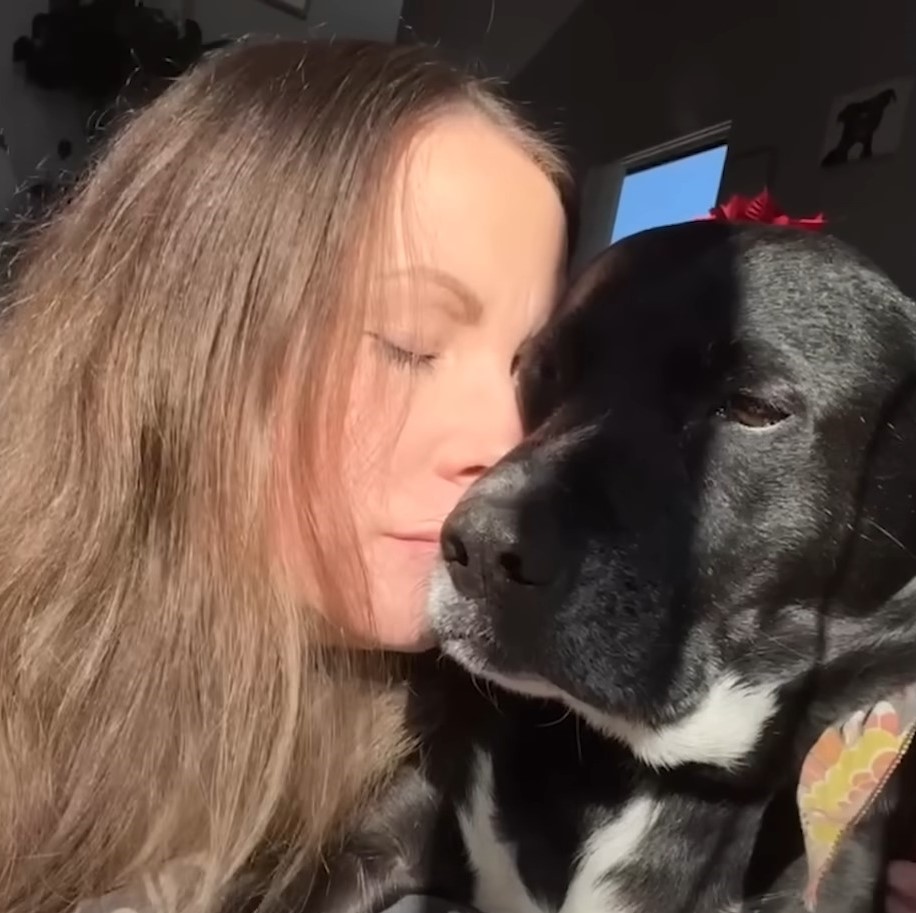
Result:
{"points": [[702, 551]]}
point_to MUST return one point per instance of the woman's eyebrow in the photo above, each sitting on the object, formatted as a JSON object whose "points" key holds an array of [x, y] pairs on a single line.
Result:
{"points": [[462, 304]]}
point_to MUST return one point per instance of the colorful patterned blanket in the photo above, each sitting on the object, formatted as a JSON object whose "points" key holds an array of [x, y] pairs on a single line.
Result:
{"points": [[845, 772]]}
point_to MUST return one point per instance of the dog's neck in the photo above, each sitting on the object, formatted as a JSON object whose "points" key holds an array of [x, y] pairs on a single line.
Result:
{"points": [[722, 730]]}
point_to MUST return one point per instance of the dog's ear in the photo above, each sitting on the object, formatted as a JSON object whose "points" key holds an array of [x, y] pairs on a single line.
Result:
{"points": [[867, 635], [877, 554], [878, 547]]}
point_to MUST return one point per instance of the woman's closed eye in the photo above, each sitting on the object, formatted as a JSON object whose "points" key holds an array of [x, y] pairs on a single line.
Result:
{"points": [[402, 356]]}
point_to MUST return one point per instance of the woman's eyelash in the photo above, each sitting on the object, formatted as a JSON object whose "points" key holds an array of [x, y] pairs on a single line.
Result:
{"points": [[403, 357]]}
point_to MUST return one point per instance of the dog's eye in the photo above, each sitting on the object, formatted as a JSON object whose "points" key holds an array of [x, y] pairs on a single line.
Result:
{"points": [[751, 411]]}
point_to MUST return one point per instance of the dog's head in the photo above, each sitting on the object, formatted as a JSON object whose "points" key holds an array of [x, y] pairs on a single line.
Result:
{"points": [[883, 99], [719, 472]]}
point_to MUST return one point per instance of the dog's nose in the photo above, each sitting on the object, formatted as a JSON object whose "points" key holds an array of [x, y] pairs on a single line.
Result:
{"points": [[490, 546]]}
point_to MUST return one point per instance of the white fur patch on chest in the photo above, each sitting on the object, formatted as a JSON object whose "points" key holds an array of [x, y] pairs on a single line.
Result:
{"points": [[722, 729], [499, 887], [616, 843]]}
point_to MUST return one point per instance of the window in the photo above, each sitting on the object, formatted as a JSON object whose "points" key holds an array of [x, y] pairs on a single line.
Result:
{"points": [[677, 190]]}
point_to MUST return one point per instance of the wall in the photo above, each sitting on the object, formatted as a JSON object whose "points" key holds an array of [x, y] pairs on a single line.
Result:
{"points": [[376, 19], [619, 78], [497, 37], [33, 121]]}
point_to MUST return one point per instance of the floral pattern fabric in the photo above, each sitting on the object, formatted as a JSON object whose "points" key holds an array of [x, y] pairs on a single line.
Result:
{"points": [[844, 773]]}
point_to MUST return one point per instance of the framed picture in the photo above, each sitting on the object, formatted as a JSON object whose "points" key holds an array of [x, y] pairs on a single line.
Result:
{"points": [[299, 8], [867, 123]]}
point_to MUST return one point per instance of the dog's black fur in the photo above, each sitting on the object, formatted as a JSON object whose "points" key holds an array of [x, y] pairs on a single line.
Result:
{"points": [[715, 497]]}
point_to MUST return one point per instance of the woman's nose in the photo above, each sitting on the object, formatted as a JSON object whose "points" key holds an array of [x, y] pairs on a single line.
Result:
{"points": [[484, 426]]}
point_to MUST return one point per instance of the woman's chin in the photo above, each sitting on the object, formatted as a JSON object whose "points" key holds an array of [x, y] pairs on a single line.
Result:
{"points": [[399, 572], [402, 633], [399, 619]]}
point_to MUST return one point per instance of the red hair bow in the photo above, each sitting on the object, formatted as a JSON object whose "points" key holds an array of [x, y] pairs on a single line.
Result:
{"points": [[761, 208]]}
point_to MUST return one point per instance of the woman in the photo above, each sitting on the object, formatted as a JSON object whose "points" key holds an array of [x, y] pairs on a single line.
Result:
{"points": [[245, 374]]}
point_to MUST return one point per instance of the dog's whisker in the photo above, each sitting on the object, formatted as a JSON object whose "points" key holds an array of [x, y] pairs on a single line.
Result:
{"points": [[483, 688], [785, 647], [563, 716], [890, 536]]}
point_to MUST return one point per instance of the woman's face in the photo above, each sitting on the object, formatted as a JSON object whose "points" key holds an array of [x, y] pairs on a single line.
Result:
{"points": [[477, 256]]}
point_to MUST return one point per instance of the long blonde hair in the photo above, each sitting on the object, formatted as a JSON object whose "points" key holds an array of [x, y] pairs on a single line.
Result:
{"points": [[175, 358]]}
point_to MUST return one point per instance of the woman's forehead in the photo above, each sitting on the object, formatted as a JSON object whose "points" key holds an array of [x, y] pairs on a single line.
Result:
{"points": [[470, 202]]}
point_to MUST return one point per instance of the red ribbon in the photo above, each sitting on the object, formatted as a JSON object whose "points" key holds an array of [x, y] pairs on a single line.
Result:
{"points": [[761, 208]]}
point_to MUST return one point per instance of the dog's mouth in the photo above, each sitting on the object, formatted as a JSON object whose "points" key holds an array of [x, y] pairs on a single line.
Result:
{"points": [[720, 724], [465, 635]]}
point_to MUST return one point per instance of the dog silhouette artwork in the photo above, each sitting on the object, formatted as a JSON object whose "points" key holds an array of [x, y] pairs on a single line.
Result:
{"points": [[860, 120]]}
